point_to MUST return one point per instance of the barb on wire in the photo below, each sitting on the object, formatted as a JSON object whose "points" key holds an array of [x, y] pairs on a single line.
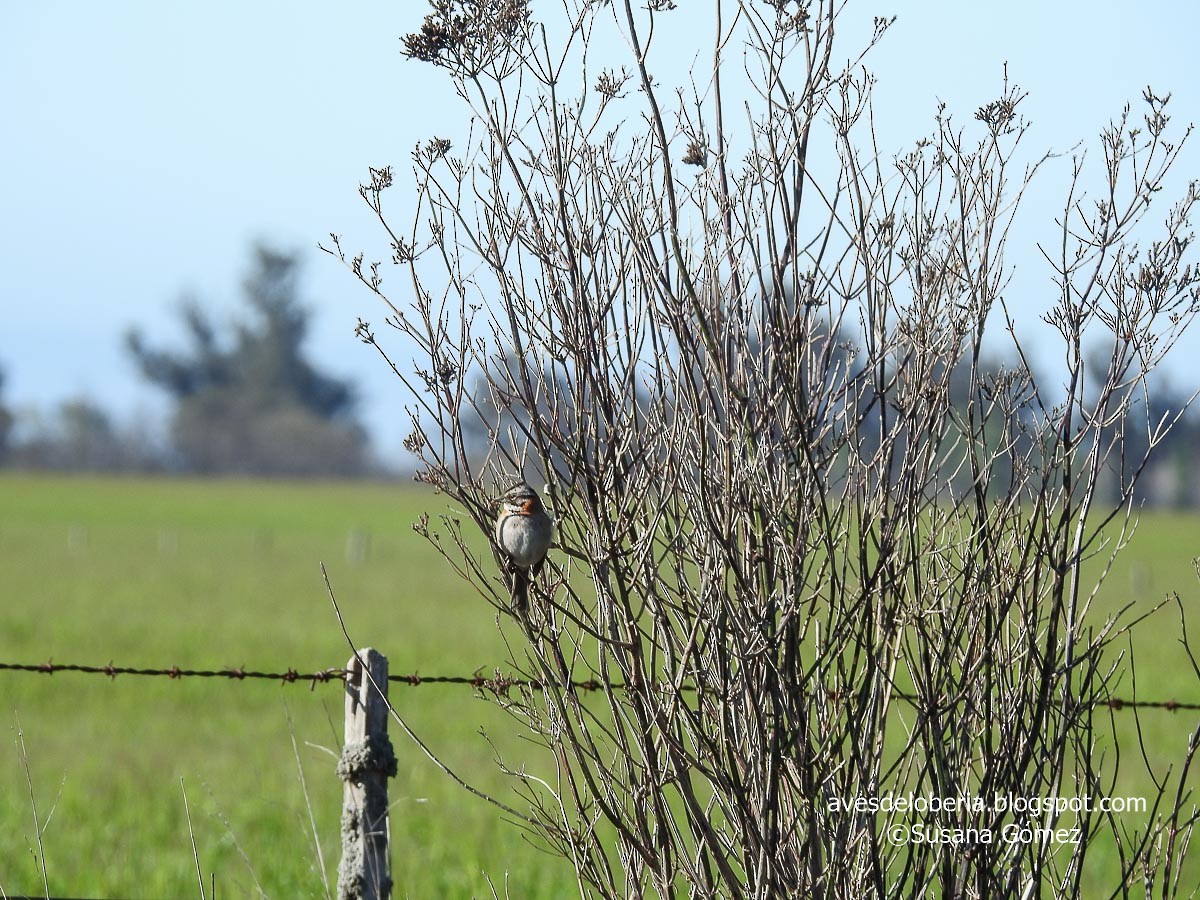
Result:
{"points": [[498, 683]]}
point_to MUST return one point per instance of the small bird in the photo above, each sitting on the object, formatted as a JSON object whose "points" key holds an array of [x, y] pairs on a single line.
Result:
{"points": [[524, 531]]}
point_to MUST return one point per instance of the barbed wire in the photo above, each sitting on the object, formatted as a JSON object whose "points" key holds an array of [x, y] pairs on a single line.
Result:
{"points": [[498, 682], [112, 671]]}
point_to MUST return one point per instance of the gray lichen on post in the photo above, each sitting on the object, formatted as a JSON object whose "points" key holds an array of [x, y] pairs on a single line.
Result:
{"points": [[367, 762]]}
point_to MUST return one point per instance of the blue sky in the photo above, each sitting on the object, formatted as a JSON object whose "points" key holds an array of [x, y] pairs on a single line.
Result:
{"points": [[144, 146]]}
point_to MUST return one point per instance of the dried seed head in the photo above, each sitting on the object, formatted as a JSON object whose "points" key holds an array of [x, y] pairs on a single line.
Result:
{"points": [[467, 34]]}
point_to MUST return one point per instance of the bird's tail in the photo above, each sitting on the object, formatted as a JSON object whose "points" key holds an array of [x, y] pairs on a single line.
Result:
{"points": [[520, 591]]}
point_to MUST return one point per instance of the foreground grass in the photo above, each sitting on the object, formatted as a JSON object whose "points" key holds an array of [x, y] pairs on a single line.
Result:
{"points": [[216, 574]]}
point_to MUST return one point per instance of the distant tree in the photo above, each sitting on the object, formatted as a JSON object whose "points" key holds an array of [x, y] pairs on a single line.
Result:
{"points": [[80, 436], [1157, 433], [254, 404], [6, 422], [88, 439]]}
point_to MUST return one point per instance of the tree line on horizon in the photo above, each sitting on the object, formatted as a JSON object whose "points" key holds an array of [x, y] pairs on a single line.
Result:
{"points": [[246, 401], [250, 403]]}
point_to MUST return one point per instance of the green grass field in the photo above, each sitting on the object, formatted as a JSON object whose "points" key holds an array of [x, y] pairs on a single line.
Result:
{"points": [[214, 574]]}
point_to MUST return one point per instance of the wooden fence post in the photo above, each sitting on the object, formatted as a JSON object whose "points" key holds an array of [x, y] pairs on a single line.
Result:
{"points": [[367, 762]]}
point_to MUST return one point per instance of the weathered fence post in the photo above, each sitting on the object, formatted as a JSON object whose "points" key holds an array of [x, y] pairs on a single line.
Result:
{"points": [[366, 764]]}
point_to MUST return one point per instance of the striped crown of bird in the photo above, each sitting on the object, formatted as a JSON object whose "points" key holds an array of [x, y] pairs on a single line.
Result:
{"points": [[524, 531]]}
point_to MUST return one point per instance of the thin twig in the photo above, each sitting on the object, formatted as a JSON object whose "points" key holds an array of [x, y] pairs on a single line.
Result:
{"points": [[192, 837], [312, 819], [237, 845], [404, 725], [37, 828]]}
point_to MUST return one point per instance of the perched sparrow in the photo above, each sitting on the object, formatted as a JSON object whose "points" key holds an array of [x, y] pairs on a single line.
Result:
{"points": [[523, 530]]}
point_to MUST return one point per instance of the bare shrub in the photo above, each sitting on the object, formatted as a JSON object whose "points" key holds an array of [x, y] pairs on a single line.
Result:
{"points": [[828, 551]]}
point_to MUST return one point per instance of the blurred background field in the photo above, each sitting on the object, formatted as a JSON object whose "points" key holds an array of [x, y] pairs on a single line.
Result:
{"points": [[211, 574]]}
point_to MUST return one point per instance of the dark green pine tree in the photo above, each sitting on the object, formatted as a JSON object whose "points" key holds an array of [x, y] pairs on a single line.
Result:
{"points": [[253, 404]]}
